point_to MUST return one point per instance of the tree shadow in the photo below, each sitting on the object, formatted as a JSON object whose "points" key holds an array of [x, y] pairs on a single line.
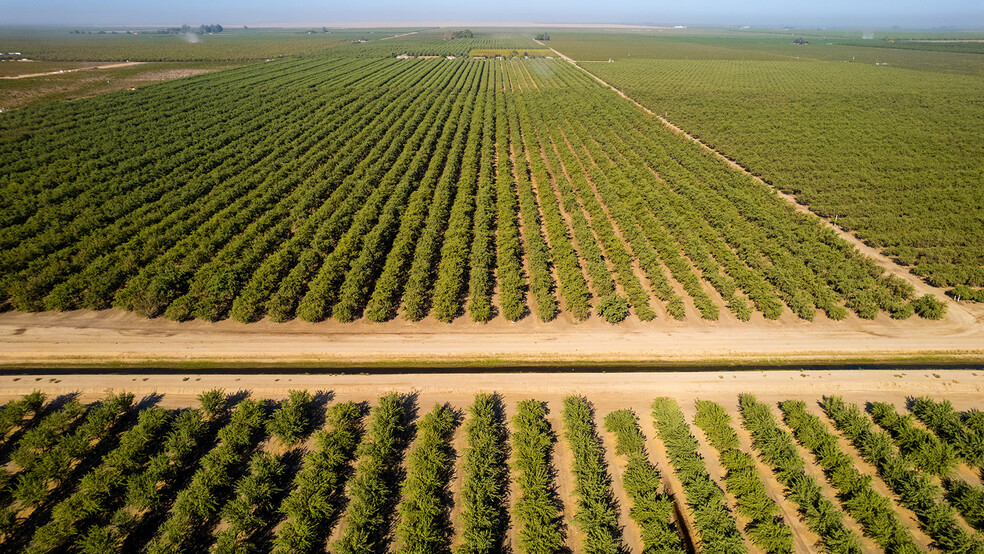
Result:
{"points": [[553, 493], [65, 484], [52, 406], [142, 528], [318, 409]]}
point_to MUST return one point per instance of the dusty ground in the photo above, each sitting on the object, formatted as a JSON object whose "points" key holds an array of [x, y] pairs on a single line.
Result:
{"points": [[608, 392], [114, 336], [81, 67], [54, 81]]}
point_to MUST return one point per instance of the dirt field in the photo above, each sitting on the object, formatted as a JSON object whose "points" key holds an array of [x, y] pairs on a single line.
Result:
{"points": [[608, 392], [22, 84]]}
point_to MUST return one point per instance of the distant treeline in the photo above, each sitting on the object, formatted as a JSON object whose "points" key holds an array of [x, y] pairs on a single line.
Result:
{"points": [[185, 29], [459, 34]]}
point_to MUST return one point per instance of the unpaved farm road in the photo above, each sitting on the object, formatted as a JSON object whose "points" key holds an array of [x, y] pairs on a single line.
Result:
{"points": [[107, 66], [110, 336]]}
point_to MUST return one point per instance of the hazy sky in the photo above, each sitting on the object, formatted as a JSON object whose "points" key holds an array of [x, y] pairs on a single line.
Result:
{"points": [[843, 13]]}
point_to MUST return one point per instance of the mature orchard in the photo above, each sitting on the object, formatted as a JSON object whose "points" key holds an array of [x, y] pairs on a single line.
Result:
{"points": [[893, 154], [374, 187], [306, 473]]}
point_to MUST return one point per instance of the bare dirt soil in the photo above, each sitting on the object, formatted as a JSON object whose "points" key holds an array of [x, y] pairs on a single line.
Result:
{"points": [[113, 336], [75, 80]]}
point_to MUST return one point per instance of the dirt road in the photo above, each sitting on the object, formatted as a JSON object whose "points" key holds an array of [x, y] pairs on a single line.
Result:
{"points": [[106, 66], [112, 336]]}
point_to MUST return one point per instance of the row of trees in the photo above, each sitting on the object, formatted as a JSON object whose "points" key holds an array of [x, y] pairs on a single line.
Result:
{"points": [[536, 510], [566, 262], [776, 448], [915, 490], [716, 525], [374, 488], [252, 506], [873, 511], [314, 504], [766, 527], [597, 509], [651, 509], [452, 269], [425, 505], [485, 482], [539, 259]]}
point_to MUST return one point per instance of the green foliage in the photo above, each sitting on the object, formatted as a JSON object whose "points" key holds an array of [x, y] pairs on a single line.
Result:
{"points": [[13, 413], [372, 490], [793, 122], [915, 490], [765, 526], [597, 511], [535, 510], [312, 506], [149, 491], [613, 308], [201, 501], [929, 307], [97, 489], [968, 500], [924, 449], [777, 449], [441, 186], [869, 508], [946, 423], [212, 402], [425, 508], [963, 292], [252, 507], [651, 509], [485, 478], [715, 524], [53, 463], [292, 420]]}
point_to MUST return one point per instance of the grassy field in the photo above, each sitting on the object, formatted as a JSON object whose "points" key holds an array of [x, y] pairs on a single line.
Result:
{"points": [[60, 44], [653, 466]]}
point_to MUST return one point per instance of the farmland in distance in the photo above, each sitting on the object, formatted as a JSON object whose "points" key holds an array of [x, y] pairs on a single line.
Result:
{"points": [[352, 184], [883, 138]]}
